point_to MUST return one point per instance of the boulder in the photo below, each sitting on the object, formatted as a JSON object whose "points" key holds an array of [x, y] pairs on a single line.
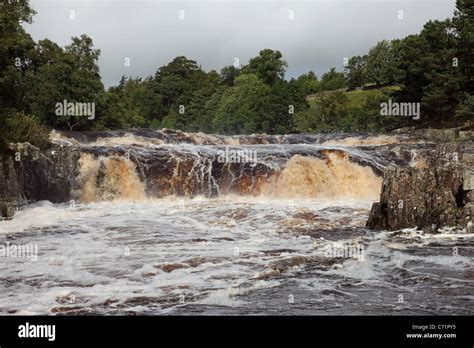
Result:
{"points": [[28, 174], [431, 197]]}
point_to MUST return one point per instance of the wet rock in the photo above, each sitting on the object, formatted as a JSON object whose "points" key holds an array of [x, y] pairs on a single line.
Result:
{"points": [[7, 210], [428, 198], [10, 193], [28, 174], [468, 181], [277, 267], [170, 267], [466, 135], [66, 299]]}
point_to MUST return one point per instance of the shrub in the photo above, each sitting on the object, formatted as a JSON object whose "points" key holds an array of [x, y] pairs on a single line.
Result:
{"points": [[19, 127]]}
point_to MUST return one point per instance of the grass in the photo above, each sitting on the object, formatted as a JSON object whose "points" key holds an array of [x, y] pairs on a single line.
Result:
{"points": [[356, 97]]}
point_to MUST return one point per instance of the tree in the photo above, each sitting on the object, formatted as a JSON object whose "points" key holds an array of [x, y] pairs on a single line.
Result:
{"points": [[278, 106], [434, 67], [465, 110], [175, 84], [333, 80], [177, 80], [150, 101], [429, 75], [333, 112], [356, 71], [206, 123], [411, 64], [19, 127], [367, 118], [463, 23], [308, 83], [327, 115], [192, 120], [85, 55], [268, 66], [228, 75], [240, 110], [124, 105], [15, 48], [72, 75], [381, 66], [169, 121]]}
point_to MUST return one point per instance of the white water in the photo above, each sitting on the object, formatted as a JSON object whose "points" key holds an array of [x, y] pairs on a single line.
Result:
{"points": [[120, 252], [219, 256]]}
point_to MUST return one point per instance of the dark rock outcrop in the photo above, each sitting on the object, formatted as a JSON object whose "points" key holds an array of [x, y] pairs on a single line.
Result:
{"points": [[28, 174], [10, 196], [439, 194]]}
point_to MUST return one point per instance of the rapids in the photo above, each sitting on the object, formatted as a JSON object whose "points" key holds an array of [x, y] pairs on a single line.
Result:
{"points": [[160, 224]]}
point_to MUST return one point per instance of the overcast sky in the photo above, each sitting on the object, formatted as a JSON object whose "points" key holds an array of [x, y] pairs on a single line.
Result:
{"points": [[312, 34]]}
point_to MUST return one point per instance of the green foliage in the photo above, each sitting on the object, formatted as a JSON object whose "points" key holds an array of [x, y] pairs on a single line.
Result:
{"points": [[325, 116], [228, 75], [333, 80], [346, 111], [19, 127], [358, 97], [170, 120], [85, 55], [205, 123], [181, 83], [429, 73], [463, 23], [465, 110], [124, 105], [15, 49], [367, 118], [240, 108], [434, 67], [268, 66], [308, 83], [252, 106], [284, 100], [71, 74], [355, 71], [177, 80], [380, 64], [192, 118]]}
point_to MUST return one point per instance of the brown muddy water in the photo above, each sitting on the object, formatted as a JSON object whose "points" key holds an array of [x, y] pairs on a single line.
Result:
{"points": [[177, 223]]}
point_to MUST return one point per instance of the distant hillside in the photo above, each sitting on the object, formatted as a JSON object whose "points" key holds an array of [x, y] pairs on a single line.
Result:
{"points": [[344, 110], [356, 97]]}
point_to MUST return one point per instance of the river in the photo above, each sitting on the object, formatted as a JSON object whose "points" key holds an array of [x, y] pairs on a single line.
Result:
{"points": [[161, 224]]}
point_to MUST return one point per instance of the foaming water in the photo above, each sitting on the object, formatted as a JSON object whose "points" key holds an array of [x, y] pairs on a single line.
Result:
{"points": [[113, 177], [108, 178], [369, 141], [160, 225], [232, 254], [332, 178], [141, 164]]}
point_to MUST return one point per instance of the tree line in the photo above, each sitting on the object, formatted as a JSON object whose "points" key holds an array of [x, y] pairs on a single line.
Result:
{"points": [[434, 67]]}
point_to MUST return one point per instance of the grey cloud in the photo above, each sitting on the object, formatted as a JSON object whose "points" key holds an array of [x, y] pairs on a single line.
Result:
{"points": [[151, 34]]}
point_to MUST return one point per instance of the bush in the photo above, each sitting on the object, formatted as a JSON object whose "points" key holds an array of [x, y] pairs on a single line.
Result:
{"points": [[18, 127], [465, 110]]}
